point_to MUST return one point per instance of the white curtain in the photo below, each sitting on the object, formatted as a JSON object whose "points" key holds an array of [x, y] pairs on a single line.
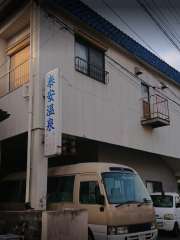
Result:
{"points": [[81, 52]]}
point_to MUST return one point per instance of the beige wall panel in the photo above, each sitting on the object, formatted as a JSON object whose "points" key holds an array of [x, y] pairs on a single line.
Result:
{"points": [[116, 88], [17, 106], [108, 89], [79, 113], [98, 89], [141, 130], [18, 36], [126, 127], [88, 84], [88, 115], [134, 130], [124, 92], [71, 110], [64, 108], [108, 118], [118, 125], [147, 138], [3, 56], [99, 125], [155, 141], [78, 80], [69, 62]]}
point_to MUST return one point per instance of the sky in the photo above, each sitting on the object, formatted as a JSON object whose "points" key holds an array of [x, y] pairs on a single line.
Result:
{"points": [[150, 36]]}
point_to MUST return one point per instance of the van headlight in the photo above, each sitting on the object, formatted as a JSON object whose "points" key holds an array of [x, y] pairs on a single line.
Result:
{"points": [[168, 216], [117, 230], [153, 225]]}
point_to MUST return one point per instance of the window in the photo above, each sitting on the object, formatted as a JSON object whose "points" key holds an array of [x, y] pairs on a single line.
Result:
{"points": [[124, 187], [162, 201], [89, 192], [145, 96], [89, 60], [19, 68], [154, 186], [13, 191], [60, 189]]}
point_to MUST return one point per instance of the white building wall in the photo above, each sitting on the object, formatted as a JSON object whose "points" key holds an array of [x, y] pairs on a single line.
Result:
{"points": [[109, 113], [17, 106]]}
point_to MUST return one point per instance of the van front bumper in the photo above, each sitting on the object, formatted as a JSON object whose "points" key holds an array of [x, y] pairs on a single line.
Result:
{"points": [[150, 235], [166, 225]]}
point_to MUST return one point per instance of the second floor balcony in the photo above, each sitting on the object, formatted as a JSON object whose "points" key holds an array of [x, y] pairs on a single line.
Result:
{"points": [[15, 77], [91, 70], [155, 111]]}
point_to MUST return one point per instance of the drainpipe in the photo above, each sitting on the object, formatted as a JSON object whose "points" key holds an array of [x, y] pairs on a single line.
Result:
{"points": [[30, 113]]}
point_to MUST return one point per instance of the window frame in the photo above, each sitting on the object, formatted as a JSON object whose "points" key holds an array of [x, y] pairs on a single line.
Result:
{"points": [[92, 46], [87, 181], [154, 182], [59, 187]]}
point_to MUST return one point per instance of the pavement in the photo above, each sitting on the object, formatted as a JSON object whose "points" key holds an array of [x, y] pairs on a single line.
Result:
{"points": [[162, 235]]}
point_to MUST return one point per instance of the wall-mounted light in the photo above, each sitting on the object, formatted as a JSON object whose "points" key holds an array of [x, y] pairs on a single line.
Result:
{"points": [[160, 85], [138, 71]]}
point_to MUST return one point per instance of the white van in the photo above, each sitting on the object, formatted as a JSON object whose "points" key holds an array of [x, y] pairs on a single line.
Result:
{"points": [[119, 206], [167, 207]]}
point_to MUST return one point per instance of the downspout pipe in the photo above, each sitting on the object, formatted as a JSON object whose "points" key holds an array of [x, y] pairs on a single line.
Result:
{"points": [[30, 111]]}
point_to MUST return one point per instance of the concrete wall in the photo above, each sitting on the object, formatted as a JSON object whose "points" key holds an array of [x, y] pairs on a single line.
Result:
{"points": [[33, 220], [70, 224], [151, 167]]}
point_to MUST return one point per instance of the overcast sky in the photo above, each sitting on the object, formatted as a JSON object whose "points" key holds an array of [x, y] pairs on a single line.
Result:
{"points": [[134, 16]]}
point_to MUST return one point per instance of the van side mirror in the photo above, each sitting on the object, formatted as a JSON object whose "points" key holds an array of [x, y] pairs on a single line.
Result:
{"points": [[100, 200], [177, 205]]}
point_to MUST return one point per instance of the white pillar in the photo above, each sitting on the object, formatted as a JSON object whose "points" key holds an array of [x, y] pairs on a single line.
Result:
{"points": [[38, 179]]}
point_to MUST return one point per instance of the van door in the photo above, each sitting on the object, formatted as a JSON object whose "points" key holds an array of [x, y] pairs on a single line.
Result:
{"points": [[177, 210], [89, 189]]}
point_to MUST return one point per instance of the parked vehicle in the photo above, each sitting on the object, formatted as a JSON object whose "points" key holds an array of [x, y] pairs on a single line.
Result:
{"points": [[167, 207], [118, 204]]}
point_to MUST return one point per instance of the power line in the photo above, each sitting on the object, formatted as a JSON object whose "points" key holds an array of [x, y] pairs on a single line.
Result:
{"points": [[130, 27]]}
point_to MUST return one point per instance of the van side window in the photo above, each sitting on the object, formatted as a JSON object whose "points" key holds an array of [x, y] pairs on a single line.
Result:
{"points": [[60, 189], [89, 192], [13, 191], [66, 189]]}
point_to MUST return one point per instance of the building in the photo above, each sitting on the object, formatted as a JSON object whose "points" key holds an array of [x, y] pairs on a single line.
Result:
{"points": [[119, 101]]}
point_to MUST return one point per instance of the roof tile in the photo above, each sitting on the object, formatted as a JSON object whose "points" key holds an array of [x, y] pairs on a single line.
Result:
{"points": [[93, 19]]}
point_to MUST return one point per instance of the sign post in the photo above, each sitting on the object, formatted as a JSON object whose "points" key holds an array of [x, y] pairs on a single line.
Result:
{"points": [[53, 113]]}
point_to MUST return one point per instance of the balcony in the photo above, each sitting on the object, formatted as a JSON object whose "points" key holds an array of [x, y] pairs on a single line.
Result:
{"points": [[14, 78], [155, 111], [91, 70]]}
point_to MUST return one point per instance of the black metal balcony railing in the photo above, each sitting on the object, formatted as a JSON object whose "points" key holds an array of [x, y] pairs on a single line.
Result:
{"points": [[14, 78], [91, 70], [155, 111]]}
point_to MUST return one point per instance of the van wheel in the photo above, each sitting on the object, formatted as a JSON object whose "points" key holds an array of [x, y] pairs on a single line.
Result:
{"points": [[175, 230], [90, 235]]}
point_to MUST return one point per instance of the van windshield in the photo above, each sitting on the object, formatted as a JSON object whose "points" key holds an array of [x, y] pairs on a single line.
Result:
{"points": [[162, 201], [124, 188]]}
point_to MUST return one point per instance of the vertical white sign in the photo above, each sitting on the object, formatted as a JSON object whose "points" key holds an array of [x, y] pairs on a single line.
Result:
{"points": [[53, 113]]}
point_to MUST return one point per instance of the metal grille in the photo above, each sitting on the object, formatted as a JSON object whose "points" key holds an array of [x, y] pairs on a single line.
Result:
{"points": [[139, 227], [16, 77], [91, 70], [155, 106]]}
